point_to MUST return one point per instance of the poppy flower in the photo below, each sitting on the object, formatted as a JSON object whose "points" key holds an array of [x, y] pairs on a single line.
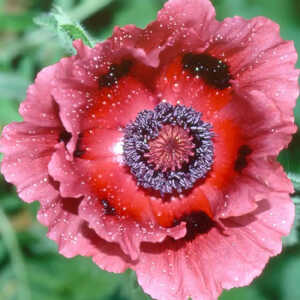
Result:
{"points": [[156, 150]]}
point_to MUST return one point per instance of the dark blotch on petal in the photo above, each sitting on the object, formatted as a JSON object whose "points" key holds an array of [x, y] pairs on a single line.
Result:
{"points": [[108, 209], [65, 137], [115, 73], [196, 223], [78, 151], [241, 161], [213, 71]]}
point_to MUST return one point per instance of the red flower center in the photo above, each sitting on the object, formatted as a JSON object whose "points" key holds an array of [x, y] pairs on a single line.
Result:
{"points": [[171, 148]]}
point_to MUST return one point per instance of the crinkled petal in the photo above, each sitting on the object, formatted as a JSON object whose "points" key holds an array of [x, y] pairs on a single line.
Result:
{"points": [[104, 209], [125, 231], [184, 25], [259, 181], [68, 152], [72, 234], [39, 107], [264, 124], [84, 103], [74, 237], [27, 150], [177, 25], [217, 260], [199, 15], [259, 59]]}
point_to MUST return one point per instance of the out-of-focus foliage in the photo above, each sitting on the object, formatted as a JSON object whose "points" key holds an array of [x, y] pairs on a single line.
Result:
{"points": [[30, 267]]}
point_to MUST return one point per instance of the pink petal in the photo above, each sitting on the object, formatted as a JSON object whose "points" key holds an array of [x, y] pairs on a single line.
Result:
{"points": [[122, 230], [73, 236], [125, 231], [178, 25], [258, 181], [201, 268], [197, 14], [74, 175], [264, 122], [27, 150], [84, 104], [39, 108], [259, 59], [89, 200]]}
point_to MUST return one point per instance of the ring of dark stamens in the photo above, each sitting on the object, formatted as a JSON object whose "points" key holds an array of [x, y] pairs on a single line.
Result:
{"points": [[146, 127], [213, 70]]}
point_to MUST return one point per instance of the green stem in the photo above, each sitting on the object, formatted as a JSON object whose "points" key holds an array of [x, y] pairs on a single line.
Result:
{"points": [[87, 8], [39, 36], [11, 242]]}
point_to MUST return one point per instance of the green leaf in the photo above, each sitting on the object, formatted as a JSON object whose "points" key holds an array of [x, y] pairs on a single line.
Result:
{"points": [[10, 202], [66, 4], [87, 8], [12, 86], [75, 33], [46, 20], [26, 67], [11, 243], [43, 38], [138, 12], [246, 293], [290, 277], [297, 112], [35, 242], [73, 29], [290, 159], [16, 23], [76, 279], [294, 236], [65, 28], [8, 284], [130, 288], [3, 252], [135, 12], [8, 112]]}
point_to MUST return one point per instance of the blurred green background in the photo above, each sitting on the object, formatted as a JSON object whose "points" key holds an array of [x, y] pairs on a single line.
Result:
{"points": [[30, 267]]}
